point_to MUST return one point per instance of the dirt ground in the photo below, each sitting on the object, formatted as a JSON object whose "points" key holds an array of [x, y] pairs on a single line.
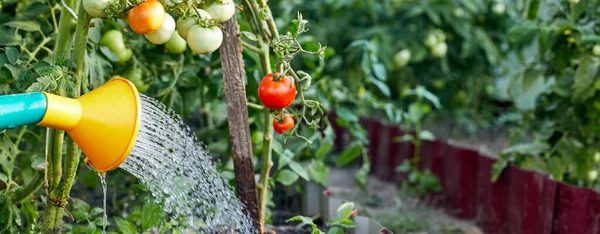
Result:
{"points": [[401, 214]]}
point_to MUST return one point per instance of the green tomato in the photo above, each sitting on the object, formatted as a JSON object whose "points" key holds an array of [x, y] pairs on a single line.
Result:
{"points": [[439, 83], [592, 175], [597, 157], [458, 12], [402, 58], [573, 2], [222, 10], [113, 39], [596, 49], [204, 40], [439, 50], [176, 44], [431, 40], [184, 24], [135, 76], [124, 55], [164, 33], [498, 8], [96, 8]]}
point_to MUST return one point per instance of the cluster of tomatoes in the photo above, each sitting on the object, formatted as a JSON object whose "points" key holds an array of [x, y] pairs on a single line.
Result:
{"points": [[151, 20], [277, 92]]}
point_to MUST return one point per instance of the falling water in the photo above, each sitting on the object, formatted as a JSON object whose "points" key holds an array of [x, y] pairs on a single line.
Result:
{"points": [[181, 175], [102, 176]]}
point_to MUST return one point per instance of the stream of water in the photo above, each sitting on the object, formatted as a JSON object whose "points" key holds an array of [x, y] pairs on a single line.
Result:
{"points": [[181, 175], [102, 176]]}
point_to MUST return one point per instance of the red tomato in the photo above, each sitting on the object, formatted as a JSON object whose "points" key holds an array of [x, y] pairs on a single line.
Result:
{"points": [[146, 17], [276, 94], [286, 124]]}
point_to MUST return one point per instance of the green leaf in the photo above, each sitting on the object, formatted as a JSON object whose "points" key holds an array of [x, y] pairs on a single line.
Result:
{"points": [[349, 155], [152, 215], [304, 220], [335, 230], [12, 54], [80, 209], [426, 135], [296, 167], [379, 71], [385, 90], [125, 226], [585, 76], [29, 26], [96, 211], [346, 114], [323, 150], [361, 175], [287, 177], [345, 210], [285, 158], [319, 172], [523, 33], [250, 36], [347, 223], [535, 148]]}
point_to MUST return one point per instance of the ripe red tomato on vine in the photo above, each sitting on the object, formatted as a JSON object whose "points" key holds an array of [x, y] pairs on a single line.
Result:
{"points": [[281, 126], [277, 92], [147, 17]]}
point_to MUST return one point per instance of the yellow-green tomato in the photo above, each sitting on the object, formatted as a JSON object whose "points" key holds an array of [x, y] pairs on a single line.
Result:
{"points": [[176, 44], [204, 40], [113, 39], [592, 175], [499, 8], [135, 76], [124, 55], [402, 58], [164, 33], [222, 10], [596, 49], [184, 24], [439, 50], [96, 8]]}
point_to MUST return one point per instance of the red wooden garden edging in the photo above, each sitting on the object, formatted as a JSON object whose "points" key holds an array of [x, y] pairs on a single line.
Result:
{"points": [[520, 202]]}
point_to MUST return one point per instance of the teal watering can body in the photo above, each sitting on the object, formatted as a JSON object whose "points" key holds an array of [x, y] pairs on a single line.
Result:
{"points": [[22, 109]]}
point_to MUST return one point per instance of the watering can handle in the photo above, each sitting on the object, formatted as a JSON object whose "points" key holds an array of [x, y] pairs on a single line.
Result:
{"points": [[21, 109]]}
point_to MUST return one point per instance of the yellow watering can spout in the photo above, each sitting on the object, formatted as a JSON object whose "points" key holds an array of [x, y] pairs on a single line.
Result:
{"points": [[104, 122]]}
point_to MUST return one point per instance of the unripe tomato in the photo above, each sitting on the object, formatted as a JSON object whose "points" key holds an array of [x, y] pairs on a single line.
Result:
{"points": [[283, 126], [597, 157], [596, 50], [135, 76], [276, 94], [592, 175], [458, 12], [402, 58], [204, 40], [431, 40], [164, 33], [498, 8], [184, 24], [96, 8], [222, 11], [176, 44], [573, 2], [439, 50], [124, 55], [146, 17], [113, 39]]}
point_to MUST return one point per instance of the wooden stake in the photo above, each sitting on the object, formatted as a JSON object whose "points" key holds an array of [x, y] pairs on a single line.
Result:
{"points": [[237, 111]]}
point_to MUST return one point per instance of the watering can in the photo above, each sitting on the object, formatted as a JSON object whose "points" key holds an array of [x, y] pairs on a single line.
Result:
{"points": [[104, 122]]}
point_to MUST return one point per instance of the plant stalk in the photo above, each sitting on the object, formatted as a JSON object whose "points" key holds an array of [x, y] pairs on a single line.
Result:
{"points": [[59, 192]]}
